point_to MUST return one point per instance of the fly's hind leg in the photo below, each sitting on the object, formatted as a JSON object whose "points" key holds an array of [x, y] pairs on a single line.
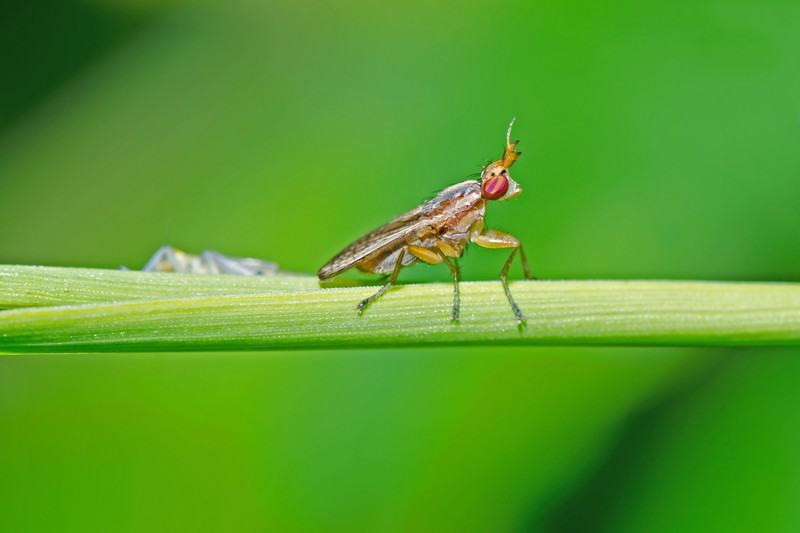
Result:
{"points": [[498, 239], [398, 265]]}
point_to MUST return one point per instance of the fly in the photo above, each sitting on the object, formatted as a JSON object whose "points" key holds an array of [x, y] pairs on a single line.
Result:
{"points": [[438, 231]]}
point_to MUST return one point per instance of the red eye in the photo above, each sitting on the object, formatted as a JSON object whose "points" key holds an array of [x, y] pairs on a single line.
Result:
{"points": [[495, 187]]}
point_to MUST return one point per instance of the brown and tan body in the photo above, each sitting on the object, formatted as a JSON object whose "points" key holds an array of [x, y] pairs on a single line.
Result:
{"points": [[437, 231], [443, 223]]}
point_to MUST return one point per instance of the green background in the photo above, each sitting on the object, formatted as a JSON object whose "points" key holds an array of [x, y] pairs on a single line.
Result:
{"points": [[659, 140]]}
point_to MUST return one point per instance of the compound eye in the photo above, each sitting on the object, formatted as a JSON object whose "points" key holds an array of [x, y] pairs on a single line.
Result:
{"points": [[495, 187]]}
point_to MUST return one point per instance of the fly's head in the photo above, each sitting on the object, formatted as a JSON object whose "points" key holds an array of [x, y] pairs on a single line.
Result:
{"points": [[496, 184]]}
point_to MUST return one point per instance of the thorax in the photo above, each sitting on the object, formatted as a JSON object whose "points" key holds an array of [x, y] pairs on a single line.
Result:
{"points": [[454, 211]]}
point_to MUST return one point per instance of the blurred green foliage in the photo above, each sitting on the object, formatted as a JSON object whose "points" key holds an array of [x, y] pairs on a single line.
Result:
{"points": [[659, 140]]}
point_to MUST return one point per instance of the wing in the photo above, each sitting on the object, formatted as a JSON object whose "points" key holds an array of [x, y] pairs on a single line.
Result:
{"points": [[392, 232], [395, 232]]}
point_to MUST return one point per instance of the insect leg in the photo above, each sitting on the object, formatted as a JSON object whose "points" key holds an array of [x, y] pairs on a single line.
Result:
{"points": [[454, 270], [218, 263], [165, 260], [211, 262], [498, 239], [157, 258], [256, 267], [525, 264], [397, 266], [434, 257]]}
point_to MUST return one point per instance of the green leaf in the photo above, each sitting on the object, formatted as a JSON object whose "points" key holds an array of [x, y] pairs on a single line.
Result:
{"points": [[558, 312]]}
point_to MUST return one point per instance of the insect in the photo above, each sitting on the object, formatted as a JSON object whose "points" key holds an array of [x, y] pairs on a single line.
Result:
{"points": [[171, 259], [437, 231]]}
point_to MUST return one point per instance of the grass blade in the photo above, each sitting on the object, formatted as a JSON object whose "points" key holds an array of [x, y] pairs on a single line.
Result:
{"points": [[558, 312]]}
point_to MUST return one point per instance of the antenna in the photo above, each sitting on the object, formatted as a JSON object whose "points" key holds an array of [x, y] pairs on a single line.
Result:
{"points": [[508, 132]]}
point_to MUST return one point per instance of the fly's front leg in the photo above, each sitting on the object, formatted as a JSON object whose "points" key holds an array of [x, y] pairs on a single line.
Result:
{"points": [[498, 239], [397, 266]]}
